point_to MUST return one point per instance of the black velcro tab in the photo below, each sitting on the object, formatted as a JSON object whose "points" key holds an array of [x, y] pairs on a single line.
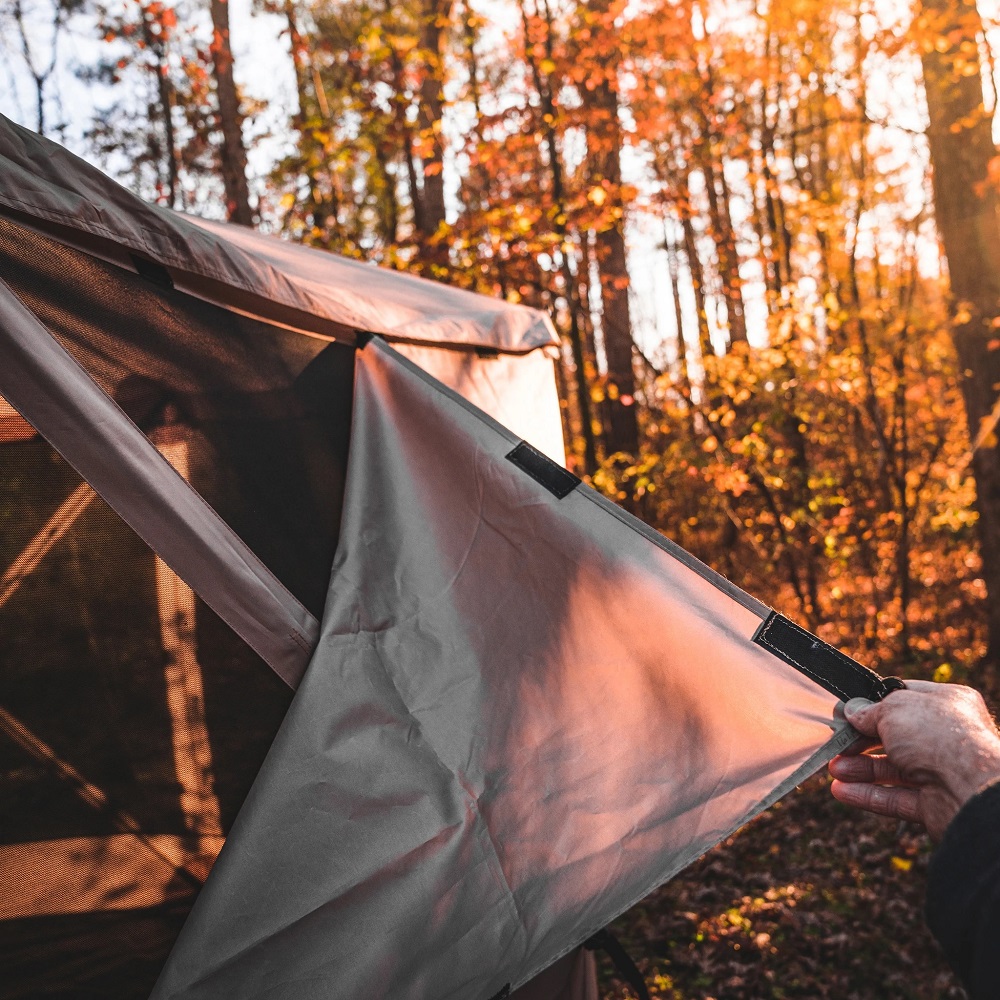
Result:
{"points": [[829, 667], [558, 481]]}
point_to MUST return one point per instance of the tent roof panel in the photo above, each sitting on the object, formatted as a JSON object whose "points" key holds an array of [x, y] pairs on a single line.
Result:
{"points": [[265, 276]]}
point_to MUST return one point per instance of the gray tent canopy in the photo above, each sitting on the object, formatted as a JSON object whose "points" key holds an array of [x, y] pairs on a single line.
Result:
{"points": [[516, 711]]}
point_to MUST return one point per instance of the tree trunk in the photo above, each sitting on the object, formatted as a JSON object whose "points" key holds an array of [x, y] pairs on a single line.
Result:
{"points": [[697, 272], [966, 210], [165, 92], [404, 135], [622, 431], [710, 157], [297, 50], [543, 88], [233, 154], [321, 208], [434, 14], [725, 242], [605, 146], [673, 280]]}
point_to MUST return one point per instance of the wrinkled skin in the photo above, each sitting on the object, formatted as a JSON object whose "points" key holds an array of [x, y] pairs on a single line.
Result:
{"points": [[938, 746]]}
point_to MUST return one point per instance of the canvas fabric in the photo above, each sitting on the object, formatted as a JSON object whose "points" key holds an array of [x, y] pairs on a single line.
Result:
{"points": [[524, 713]]}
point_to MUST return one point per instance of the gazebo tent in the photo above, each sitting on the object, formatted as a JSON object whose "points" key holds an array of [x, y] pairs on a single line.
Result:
{"points": [[517, 711], [132, 718]]}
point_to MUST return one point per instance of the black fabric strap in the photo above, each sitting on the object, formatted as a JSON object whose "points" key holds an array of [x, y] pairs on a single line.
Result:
{"points": [[620, 958], [834, 670], [558, 481]]}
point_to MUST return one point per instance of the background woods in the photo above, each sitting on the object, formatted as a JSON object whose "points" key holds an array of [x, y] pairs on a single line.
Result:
{"points": [[767, 233]]}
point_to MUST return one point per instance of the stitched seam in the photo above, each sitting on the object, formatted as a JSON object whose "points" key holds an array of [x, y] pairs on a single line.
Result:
{"points": [[843, 659], [300, 641]]}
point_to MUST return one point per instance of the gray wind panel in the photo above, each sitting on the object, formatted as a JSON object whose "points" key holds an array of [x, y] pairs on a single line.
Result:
{"points": [[523, 714]]}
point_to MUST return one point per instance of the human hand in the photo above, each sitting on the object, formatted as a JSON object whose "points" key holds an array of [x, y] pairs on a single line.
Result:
{"points": [[940, 747]]}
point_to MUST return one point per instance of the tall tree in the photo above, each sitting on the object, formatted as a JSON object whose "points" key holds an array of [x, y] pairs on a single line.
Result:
{"points": [[539, 40], [967, 211], [233, 154], [601, 24], [38, 44], [433, 17], [161, 115]]}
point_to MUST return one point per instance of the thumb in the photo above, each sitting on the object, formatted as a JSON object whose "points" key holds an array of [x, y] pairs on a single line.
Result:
{"points": [[863, 715]]}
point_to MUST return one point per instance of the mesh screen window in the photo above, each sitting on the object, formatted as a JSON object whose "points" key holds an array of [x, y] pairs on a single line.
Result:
{"points": [[132, 720]]}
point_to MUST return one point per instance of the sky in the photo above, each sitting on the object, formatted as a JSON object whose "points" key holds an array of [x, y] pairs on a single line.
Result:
{"points": [[262, 66], [264, 72]]}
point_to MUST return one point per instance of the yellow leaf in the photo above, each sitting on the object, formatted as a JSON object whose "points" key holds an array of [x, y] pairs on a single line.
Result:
{"points": [[598, 196], [943, 673], [547, 66], [901, 864]]}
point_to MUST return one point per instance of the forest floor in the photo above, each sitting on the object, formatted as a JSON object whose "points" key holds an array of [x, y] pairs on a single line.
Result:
{"points": [[810, 900]]}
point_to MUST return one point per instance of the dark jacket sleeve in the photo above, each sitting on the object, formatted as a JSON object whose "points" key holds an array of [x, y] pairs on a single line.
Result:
{"points": [[963, 894]]}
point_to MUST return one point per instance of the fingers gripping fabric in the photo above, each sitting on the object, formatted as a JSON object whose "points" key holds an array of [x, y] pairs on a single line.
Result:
{"points": [[97, 438], [523, 715]]}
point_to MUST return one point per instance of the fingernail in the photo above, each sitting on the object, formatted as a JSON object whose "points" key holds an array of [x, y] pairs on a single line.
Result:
{"points": [[855, 705]]}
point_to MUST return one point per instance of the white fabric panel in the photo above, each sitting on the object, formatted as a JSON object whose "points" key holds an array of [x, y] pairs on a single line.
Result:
{"points": [[378, 299], [523, 715], [517, 391]]}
